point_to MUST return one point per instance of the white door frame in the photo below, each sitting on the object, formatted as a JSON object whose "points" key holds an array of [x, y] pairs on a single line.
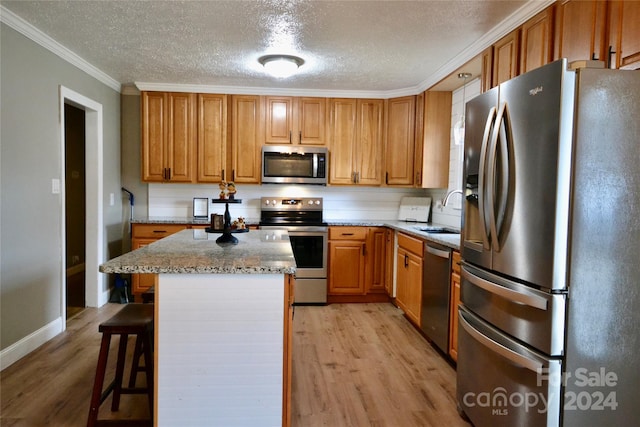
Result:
{"points": [[95, 284]]}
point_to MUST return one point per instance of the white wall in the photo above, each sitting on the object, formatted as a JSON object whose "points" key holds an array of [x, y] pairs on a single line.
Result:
{"points": [[450, 214]]}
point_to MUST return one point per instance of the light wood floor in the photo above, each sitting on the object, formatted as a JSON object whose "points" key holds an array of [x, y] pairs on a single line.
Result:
{"points": [[354, 365], [365, 365]]}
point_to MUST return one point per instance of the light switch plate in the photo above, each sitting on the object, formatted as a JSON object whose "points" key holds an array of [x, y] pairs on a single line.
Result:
{"points": [[55, 186]]}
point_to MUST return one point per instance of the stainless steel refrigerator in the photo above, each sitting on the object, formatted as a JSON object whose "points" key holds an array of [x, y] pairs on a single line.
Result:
{"points": [[550, 284]]}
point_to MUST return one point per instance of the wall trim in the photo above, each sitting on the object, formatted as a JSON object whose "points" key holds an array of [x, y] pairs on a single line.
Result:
{"points": [[513, 21], [26, 345], [528, 10], [33, 33], [97, 293]]}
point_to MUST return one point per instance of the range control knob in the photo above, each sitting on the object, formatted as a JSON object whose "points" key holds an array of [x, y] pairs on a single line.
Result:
{"points": [[317, 202]]}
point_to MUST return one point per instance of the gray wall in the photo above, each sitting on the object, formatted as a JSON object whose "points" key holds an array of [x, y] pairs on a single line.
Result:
{"points": [[30, 216], [131, 163]]}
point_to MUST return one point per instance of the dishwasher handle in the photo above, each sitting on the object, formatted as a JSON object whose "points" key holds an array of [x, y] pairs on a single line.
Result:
{"points": [[437, 252]]}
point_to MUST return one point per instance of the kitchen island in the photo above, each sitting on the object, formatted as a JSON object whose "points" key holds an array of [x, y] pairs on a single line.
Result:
{"points": [[222, 327]]}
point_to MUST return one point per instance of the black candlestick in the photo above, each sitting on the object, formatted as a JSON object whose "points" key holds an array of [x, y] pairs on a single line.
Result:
{"points": [[226, 228]]}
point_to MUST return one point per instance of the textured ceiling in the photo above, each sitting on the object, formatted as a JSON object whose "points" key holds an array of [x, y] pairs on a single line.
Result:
{"points": [[347, 45]]}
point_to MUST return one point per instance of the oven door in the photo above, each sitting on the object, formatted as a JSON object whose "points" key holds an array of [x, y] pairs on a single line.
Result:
{"points": [[310, 252], [309, 245]]}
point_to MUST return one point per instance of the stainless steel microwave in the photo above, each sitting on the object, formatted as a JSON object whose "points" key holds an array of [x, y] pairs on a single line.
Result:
{"points": [[294, 165]]}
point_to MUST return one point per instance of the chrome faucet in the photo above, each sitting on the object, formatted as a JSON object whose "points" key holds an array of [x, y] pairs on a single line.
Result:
{"points": [[449, 194]]}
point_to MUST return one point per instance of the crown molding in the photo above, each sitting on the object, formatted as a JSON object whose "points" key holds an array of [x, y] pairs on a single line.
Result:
{"points": [[516, 19], [513, 21], [23, 27], [250, 90]]}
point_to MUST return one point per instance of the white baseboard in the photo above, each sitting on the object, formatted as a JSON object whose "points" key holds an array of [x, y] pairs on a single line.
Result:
{"points": [[16, 351]]}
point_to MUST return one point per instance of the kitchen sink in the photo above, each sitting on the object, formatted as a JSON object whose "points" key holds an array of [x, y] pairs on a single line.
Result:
{"points": [[437, 229]]}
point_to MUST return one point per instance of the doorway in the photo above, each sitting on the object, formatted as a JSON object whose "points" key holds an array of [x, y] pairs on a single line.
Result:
{"points": [[96, 287], [75, 211]]}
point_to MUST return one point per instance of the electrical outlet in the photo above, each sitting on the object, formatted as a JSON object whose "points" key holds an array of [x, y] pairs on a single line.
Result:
{"points": [[439, 206]]}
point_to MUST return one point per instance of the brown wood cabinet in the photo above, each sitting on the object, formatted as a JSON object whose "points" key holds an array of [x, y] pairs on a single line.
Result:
{"points": [[454, 301], [212, 137], [433, 145], [409, 276], [296, 121], [247, 132], [359, 264], [347, 247], [143, 235], [356, 143], [487, 69], [580, 30], [505, 58], [289, 295], [375, 277], [624, 36], [400, 141], [168, 136], [536, 48], [389, 260]]}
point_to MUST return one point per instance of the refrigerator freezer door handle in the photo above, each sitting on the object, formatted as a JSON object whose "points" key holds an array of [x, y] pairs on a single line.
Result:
{"points": [[514, 296], [518, 359], [505, 135], [481, 183], [493, 154]]}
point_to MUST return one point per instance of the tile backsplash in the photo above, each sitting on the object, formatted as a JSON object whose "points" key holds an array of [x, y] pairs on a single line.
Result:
{"points": [[340, 203]]}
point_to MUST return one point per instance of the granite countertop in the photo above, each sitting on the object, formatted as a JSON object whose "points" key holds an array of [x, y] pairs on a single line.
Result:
{"points": [[196, 251], [450, 240], [182, 220]]}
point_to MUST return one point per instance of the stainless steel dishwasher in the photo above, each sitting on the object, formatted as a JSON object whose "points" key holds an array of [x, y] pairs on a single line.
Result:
{"points": [[435, 294]]}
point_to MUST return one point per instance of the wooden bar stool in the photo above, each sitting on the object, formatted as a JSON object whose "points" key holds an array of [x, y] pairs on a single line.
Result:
{"points": [[148, 296], [133, 319]]}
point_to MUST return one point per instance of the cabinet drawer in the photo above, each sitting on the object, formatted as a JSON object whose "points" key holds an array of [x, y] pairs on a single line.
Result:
{"points": [[455, 262], [347, 233], [411, 244], [156, 231]]}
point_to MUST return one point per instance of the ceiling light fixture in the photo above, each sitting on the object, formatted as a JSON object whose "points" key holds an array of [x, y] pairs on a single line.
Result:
{"points": [[458, 128], [281, 66]]}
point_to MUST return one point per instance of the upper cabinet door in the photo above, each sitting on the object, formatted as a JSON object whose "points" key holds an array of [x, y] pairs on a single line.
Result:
{"points": [[279, 120], [624, 37], [536, 48], [580, 27], [312, 121], [212, 137], [153, 106], [369, 142], [487, 69], [400, 141], [290, 120], [342, 135], [246, 139], [168, 136], [181, 137], [505, 58]]}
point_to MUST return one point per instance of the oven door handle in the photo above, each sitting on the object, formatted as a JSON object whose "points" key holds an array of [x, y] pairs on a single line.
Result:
{"points": [[512, 356], [307, 233]]}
